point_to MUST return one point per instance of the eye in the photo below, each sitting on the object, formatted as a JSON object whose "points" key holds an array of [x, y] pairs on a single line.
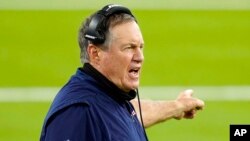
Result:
{"points": [[133, 46], [130, 47], [141, 46]]}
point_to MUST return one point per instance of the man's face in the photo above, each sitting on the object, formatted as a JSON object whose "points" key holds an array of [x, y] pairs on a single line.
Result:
{"points": [[122, 62]]}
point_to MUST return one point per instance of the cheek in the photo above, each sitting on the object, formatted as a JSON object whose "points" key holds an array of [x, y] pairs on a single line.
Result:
{"points": [[117, 67], [109, 63], [116, 59], [115, 63]]}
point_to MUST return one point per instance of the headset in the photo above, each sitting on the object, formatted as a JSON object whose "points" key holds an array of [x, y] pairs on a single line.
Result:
{"points": [[95, 32]]}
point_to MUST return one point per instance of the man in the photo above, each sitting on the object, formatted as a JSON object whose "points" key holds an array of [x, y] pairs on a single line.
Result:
{"points": [[97, 103]]}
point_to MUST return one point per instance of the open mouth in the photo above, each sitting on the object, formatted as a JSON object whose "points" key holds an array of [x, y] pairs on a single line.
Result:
{"points": [[134, 72]]}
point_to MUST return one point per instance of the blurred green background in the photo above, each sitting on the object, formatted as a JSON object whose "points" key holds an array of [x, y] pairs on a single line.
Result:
{"points": [[188, 43]]}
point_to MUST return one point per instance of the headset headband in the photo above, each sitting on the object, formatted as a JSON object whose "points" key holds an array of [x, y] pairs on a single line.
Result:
{"points": [[94, 32]]}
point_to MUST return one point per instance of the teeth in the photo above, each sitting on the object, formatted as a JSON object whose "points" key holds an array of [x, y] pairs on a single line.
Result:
{"points": [[134, 73], [133, 70]]}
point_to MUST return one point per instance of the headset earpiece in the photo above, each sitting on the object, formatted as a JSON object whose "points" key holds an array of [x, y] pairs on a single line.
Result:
{"points": [[95, 33]]}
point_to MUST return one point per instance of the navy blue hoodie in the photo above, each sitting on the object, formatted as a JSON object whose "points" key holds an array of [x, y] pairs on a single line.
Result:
{"points": [[91, 108]]}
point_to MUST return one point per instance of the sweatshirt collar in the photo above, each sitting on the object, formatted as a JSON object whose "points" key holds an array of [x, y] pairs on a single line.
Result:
{"points": [[106, 85]]}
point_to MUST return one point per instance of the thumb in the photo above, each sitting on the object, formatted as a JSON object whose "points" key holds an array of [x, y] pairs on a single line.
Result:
{"points": [[186, 94]]}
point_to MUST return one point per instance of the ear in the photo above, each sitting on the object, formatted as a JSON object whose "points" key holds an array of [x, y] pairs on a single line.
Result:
{"points": [[94, 53]]}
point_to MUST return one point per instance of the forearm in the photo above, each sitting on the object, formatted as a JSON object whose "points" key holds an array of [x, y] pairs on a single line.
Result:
{"points": [[156, 111]]}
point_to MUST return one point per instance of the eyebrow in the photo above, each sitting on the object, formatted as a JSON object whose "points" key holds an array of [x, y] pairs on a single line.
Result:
{"points": [[135, 44]]}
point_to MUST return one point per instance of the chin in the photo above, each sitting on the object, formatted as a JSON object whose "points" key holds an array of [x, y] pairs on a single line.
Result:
{"points": [[131, 85], [135, 86]]}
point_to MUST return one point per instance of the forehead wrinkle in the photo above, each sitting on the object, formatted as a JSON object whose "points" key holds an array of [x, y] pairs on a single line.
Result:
{"points": [[132, 41], [117, 37]]}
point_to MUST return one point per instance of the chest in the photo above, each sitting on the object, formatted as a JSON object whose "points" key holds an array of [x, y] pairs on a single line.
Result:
{"points": [[118, 121]]}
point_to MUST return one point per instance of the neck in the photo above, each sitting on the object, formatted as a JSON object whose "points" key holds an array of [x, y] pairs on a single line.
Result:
{"points": [[106, 85]]}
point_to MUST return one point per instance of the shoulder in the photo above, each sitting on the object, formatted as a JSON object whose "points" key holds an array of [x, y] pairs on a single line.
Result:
{"points": [[70, 114]]}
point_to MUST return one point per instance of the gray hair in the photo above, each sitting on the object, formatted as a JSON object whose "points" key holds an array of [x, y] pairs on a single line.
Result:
{"points": [[112, 21]]}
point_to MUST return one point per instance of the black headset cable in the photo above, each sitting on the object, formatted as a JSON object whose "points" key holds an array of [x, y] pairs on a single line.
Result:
{"points": [[139, 104]]}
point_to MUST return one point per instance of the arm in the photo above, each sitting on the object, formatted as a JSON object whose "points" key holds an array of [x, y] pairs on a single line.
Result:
{"points": [[185, 106]]}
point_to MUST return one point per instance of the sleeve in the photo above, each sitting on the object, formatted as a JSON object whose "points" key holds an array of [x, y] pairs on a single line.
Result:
{"points": [[74, 123]]}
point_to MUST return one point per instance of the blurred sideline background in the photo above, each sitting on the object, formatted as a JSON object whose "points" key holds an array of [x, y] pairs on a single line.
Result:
{"points": [[203, 45]]}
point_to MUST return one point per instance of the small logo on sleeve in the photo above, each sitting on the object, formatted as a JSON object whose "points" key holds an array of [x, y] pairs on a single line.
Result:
{"points": [[133, 113]]}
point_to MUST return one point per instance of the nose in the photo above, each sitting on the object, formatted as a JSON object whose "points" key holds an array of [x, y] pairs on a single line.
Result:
{"points": [[138, 56]]}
